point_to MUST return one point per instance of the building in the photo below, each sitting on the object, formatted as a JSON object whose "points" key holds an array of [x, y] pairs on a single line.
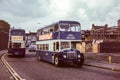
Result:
{"points": [[86, 35], [4, 29], [102, 38], [118, 23], [105, 33]]}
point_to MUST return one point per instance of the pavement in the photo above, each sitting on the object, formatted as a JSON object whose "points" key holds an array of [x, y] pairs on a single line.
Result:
{"points": [[91, 61]]}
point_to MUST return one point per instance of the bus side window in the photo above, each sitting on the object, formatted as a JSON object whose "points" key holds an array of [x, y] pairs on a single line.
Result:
{"points": [[54, 46], [41, 46], [44, 47], [57, 46], [47, 47], [38, 46]]}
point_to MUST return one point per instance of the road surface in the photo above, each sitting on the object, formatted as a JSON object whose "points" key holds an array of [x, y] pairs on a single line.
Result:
{"points": [[30, 68]]}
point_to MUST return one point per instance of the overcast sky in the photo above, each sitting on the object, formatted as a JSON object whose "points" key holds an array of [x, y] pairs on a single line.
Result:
{"points": [[33, 14]]}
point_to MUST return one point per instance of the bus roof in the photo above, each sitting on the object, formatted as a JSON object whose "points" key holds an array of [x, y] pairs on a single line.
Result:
{"points": [[17, 30], [72, 22], [61, 21]]}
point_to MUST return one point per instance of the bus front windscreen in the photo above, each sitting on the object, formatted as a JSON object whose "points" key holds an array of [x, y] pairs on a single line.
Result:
{"points": [[65, 45], [17, 32], [16, 45]]}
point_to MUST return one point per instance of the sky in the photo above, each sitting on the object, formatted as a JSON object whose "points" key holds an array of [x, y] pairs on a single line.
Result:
{"points": [[34, 14]]}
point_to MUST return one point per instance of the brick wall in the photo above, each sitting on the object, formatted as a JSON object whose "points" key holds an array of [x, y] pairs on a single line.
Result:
{"points": [[3, 41], [4, 29]]}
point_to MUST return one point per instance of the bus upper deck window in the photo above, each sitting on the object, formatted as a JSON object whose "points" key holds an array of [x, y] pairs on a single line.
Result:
{"points": [[64, 28], [56, 28], [51, 30], [72, 28], [77, 28]]}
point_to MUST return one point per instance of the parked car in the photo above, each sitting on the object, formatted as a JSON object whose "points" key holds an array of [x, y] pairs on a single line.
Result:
{"points": [[32, 48]]}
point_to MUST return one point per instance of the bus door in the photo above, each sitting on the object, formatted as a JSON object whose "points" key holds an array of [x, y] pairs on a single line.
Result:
{"points": [[56, 46]]}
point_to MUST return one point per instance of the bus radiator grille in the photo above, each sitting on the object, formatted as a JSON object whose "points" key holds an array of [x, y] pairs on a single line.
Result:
{"points": [[71, 55]]}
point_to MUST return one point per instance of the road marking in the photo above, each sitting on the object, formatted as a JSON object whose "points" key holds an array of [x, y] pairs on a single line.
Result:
{"points": [[10, 69]]}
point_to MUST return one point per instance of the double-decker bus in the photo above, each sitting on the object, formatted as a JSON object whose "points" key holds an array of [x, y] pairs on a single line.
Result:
{"points": [[59, 43], [16, 42]]}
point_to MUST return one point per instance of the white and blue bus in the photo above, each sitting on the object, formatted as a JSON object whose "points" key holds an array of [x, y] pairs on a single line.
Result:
{"points": [[59, 43], [16, 42]]}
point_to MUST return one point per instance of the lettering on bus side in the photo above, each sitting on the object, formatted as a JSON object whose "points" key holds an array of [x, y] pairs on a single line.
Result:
{"points": [[46, 36], [70, 36], [17, 38]]}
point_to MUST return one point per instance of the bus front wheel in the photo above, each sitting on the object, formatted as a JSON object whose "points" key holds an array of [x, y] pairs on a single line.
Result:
{"points": [[80, 63], [57, 61]]}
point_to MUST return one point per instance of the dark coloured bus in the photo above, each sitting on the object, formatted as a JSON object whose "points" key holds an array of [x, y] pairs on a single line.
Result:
{"points": [[16, 43], [59, 43]]}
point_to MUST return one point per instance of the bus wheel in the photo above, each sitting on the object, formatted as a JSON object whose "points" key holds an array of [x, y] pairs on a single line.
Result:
{"points": [[23, 55], [56, 61], [80, 64], [39, 57]]}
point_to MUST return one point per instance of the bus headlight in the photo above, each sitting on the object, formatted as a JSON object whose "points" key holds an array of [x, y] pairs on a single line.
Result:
{"points": [[64, 56], [79, 56]]}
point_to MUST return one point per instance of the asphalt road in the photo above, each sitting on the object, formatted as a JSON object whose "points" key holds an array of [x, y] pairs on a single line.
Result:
{"points": [[30, 68]]}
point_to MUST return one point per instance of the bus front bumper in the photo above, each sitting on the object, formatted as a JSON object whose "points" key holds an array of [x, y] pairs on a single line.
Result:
{"points": [[16, 51], [69, 61]]}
